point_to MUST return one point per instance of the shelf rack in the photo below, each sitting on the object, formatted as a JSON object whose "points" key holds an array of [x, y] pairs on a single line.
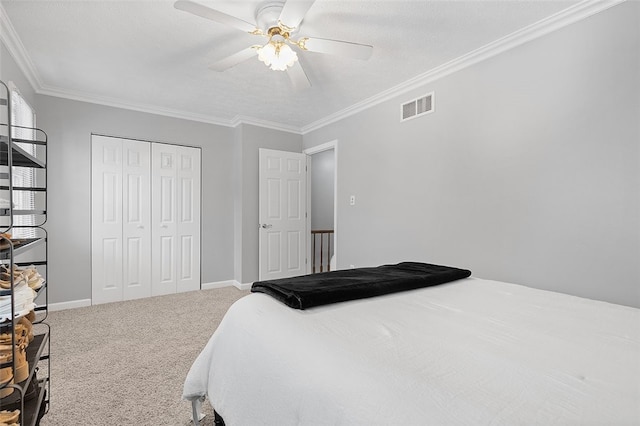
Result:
{"points": [[31, 396]]}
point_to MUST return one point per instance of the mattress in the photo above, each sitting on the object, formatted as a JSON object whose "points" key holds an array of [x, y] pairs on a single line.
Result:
{"points": [[470, 352]]}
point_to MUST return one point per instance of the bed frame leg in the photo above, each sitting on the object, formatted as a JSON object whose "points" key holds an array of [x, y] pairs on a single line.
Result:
{"points": [[196, 410]]}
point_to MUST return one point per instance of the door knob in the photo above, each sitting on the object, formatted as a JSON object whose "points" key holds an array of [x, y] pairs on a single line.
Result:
{"points": [[266, 226]]}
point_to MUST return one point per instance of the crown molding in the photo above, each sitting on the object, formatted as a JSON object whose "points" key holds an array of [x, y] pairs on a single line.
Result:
{"points": [[14, 45], [243, 119], [134, 106], [167, 112], [566, 17]]}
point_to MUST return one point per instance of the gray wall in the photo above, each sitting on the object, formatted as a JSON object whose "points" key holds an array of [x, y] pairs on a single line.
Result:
{"points": [[322, 186], [249, 141], [237, 204], [69, 125], [528, 171], [229, 189]]}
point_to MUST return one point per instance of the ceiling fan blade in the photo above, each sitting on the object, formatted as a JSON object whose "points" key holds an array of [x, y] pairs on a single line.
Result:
{"points": [[214, 15], [337, 47], [298, 77], [234, 59], [293, 12]]}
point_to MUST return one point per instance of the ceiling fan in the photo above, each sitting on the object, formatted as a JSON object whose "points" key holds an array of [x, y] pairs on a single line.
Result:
{"points": [[279, 21]]}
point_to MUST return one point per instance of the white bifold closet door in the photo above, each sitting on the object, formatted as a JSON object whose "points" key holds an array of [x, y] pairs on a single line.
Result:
{"points": [[175, 219], [145, 219], [121, 219]]}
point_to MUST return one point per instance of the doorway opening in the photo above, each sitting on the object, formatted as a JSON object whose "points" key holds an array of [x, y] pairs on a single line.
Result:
{"points": [[321, 207]]}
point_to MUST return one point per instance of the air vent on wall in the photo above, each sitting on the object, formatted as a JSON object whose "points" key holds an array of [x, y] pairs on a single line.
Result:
{"points": [[417, 107]]}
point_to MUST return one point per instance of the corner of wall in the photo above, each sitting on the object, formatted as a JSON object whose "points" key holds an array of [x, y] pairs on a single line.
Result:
{"points": [[237, 202]]}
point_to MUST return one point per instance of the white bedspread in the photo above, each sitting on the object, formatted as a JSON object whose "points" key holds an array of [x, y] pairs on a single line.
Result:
{"points": [[472, 352]]}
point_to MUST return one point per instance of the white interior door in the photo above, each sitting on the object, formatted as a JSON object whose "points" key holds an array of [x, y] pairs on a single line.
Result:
{"points": [[106, 213], [164, 219], [136, 218], [282, 215], [188, 219]]}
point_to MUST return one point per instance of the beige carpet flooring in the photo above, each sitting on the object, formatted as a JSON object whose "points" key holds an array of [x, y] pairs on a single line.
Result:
{"points": [[125, 363]]}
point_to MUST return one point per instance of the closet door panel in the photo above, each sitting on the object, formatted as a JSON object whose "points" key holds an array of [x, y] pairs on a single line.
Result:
{"points": [[136, 219], [111, 268], [167, 258], [106, 213], [188, 220], [163, 218], [186, 258]]}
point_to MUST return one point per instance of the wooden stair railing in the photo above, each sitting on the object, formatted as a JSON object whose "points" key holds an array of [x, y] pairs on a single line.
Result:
{"points": [[324, 235]]}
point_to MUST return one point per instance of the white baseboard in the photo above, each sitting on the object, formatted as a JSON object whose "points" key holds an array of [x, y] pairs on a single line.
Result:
{"points": [[245, 286], [72, 304], [228, 283], [218, 284]]}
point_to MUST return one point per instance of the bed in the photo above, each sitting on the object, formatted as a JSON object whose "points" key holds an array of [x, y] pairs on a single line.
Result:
{"points": [[467, 352]]}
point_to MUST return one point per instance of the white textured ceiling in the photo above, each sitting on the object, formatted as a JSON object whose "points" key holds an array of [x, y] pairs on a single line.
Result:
{"points": [[149, 55]]}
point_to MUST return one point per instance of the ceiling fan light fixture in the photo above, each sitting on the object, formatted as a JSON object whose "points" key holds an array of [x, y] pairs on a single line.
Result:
{"points": [[277, 55]]}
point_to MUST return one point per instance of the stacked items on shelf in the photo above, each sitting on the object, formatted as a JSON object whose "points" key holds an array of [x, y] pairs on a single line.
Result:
{"points": [[28, 274], [9, 418], [26, 282], [16, 345], [22, 336]]}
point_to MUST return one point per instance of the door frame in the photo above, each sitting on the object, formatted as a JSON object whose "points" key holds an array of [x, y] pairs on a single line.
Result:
{"points": [[309, 152]]}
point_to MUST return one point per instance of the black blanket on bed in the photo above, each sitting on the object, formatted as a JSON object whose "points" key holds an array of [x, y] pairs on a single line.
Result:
{"points": [[339, 286]]}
